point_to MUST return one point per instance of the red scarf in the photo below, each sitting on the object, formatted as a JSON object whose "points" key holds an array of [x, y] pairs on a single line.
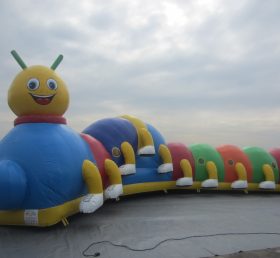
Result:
{"points": [[53, 119]]}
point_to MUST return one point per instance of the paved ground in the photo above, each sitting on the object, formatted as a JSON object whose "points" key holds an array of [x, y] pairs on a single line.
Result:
{"points": [[267, 253], [186, 224]]}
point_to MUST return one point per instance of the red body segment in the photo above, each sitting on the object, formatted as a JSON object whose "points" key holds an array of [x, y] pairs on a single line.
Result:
{"points": [[100, 154], [178, 152], [276, 154], [231, 155]]}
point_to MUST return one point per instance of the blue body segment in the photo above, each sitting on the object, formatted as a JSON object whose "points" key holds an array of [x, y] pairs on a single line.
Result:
{"points": [[145, 175], [48, 158], [112, 132], [11, 174]]}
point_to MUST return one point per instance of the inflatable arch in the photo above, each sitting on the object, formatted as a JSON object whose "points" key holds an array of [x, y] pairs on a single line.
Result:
{"points": [[49, 172]]}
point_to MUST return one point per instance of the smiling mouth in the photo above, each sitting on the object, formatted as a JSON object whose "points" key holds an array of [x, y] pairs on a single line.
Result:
{"points": [[42, 99]]}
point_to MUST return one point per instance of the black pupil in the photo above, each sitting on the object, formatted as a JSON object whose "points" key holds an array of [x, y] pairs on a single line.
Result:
{"points": [[201, 161], [32, 85], [52, 85], [230, 162]]}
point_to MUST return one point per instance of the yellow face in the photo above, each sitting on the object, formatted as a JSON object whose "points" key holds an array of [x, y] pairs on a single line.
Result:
{"points": [[38, 90]]}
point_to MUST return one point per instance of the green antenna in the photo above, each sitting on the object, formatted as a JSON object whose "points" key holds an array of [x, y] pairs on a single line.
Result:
{"points": [[18, 59], [57, 62]]}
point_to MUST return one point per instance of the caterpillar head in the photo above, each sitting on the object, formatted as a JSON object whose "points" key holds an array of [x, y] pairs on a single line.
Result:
{"points": [[38, 90]]}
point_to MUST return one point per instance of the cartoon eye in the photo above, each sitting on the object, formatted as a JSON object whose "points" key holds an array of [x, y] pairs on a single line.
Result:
{"points": [[33, 84], [230, 162], [52, 84], [201, 161], [116, 152], [273, 165]]}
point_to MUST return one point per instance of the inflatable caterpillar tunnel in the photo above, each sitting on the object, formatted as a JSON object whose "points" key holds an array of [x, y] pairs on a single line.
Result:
{"points": [[49, 172]]}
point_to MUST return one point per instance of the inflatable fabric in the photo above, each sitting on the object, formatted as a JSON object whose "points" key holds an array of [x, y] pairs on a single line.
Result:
{"points": [[49, 172]]}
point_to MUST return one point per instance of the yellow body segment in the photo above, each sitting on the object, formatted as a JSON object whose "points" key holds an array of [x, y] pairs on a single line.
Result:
{"points": [[51, 216]]}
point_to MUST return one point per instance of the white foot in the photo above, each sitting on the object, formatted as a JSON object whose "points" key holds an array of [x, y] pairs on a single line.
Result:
{"points": [[239, 184], [91, 202], [165, 168], [210, 183], [113, 191], [147, 150], [127, 169], [184, 181], [267, 185]]}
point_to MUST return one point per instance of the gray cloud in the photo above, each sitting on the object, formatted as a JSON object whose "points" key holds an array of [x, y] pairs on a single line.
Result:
{"points": [[195, 70]]}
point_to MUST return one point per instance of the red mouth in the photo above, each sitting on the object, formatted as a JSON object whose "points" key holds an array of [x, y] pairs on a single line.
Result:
{"points": [[42, 99]]}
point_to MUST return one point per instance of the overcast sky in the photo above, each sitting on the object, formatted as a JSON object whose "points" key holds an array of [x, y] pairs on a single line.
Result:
{"points": [[199, 71]]}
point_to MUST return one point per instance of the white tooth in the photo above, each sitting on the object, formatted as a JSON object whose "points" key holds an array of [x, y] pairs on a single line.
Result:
{"points": [[42, 96]]}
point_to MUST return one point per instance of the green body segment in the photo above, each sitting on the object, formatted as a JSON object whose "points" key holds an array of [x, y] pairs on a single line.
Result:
{"points": [[258, 158], [203, 153]]}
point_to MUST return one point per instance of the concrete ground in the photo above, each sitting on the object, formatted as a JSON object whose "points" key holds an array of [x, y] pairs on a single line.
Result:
{"points": [[267, 253], [178, 224]]}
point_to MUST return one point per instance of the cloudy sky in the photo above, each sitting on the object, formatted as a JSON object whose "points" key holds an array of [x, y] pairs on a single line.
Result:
{"points": [[200, 71]]}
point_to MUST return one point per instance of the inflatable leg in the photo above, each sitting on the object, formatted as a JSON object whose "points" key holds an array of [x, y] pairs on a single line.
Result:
{"points": [[129, 159], [145, 139], [212, 174], [94, 199], [241, 172], [187, 180], [269, 182], [147, 143], [114, 174], [165, 155]]}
